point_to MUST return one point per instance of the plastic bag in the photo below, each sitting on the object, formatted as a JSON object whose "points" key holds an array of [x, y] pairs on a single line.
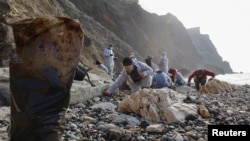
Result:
{"points": [[41, 75]]}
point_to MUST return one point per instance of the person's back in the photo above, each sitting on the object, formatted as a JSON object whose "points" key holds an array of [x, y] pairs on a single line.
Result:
{"points": [[200, 77], [161, 79], [201, 74]]}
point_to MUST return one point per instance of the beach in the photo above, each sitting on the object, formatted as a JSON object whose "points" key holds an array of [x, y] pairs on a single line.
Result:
{"points": [[88, 121]]}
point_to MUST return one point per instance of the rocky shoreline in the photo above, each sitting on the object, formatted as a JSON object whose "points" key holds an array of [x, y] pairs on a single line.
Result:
{"points": [[97, 119]]}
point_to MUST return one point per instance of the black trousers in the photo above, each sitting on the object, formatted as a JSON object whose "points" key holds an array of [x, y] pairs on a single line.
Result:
{"points": [[199, 82]]}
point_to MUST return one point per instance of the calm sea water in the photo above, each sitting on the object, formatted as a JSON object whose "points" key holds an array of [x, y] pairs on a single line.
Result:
{"points": [[238, 79]]}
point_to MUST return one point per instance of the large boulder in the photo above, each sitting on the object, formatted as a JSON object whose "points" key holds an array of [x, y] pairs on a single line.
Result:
{"points": [[215, 86], [158, 105]]}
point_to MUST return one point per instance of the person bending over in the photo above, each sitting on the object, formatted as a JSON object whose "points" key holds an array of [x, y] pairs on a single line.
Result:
{"points": [[161, 79], [200, 77], [137, 74], [176, 77]]}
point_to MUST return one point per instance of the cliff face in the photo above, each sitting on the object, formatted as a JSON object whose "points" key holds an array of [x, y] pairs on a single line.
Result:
{"points": [[145, 33], [129, 28], [210, 57]]}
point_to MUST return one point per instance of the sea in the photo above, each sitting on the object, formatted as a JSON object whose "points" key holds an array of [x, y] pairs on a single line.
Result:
{"points": [[235, 78]]}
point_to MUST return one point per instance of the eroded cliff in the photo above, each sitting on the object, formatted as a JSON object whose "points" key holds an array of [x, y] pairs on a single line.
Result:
{"points": [[129, 28]]}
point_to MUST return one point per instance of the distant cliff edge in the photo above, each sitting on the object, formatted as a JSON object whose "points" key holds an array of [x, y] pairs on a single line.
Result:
{"points": [[128, 27]]}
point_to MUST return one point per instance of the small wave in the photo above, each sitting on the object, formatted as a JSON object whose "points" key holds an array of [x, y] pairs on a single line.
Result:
{"points": [[238, 79]]}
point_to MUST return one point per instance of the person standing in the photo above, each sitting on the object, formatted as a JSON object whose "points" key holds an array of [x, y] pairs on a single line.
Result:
{"points": [[109, 59], [163, 65], [137, 74], [148, 61], [200, 77]]}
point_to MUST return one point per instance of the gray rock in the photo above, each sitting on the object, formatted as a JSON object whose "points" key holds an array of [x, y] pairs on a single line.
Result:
{"points": [[116, 134]]}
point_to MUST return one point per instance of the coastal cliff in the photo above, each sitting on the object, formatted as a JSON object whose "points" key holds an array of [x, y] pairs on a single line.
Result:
{"points": [[127, 26]]}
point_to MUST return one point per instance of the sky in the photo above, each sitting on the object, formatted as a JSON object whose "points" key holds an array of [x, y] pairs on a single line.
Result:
{"points": [[227, 22]]}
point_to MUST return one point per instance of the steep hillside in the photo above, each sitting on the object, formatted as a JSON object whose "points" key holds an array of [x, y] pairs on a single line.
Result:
{"points": [[207, 50], [128, 27], [146, 33]]}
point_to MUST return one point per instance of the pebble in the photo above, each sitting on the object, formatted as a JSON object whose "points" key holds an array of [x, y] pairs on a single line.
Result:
{"points": [[97, 119]]}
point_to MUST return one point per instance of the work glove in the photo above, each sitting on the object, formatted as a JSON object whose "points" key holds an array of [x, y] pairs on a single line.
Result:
{"points": [[142, 75], [106, 93], [188, 84], [111, 54]]}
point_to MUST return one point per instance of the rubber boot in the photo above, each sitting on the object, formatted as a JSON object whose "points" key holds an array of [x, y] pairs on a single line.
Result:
{"points": [[41, 75]]}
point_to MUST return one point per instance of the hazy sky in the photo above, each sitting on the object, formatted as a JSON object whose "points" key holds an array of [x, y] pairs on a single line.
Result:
{"points": [[227, 22]]}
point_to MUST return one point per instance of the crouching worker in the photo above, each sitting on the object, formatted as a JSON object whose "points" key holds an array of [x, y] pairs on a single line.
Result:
{"points": [[137, 74], [176, 77], [161, 79], [41, 75], [200, 77]]}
